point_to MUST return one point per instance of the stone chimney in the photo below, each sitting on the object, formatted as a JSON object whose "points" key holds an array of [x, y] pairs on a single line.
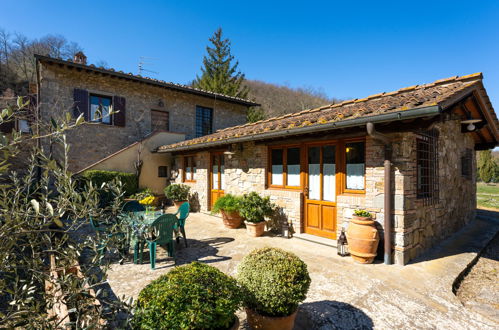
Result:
{"points": [[80, 58]]}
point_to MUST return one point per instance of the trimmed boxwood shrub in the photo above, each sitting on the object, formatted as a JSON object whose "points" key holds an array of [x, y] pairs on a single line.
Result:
{"points": [[196, 296], [274, 281], [129, 180], [227, 203]]}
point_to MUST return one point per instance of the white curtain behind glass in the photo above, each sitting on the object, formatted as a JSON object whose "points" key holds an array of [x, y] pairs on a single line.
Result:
{"points": [[277, 174], [294, 175], [215, 177], [355, 176], [314, 183], [222, 177], [329, 182]]}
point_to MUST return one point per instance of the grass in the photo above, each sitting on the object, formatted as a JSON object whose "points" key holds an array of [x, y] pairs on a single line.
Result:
{"points": [[487, 195]]}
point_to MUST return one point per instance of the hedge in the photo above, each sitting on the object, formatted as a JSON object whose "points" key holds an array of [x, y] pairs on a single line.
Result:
{"points": [[98, 177]]}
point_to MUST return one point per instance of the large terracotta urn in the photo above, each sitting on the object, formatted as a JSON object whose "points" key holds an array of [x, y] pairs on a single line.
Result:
{"points": [[231, 220], [261, 322], [363, 239]]}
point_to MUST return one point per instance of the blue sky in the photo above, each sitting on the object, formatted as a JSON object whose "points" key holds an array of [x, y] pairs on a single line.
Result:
{"points": [[349, 49]]}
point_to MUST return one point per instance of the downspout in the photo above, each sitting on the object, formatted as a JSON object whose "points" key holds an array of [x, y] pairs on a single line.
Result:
{"points": [[387, 189]]}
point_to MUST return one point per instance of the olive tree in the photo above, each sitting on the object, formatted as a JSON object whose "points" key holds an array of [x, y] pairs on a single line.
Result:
{"points": [[43, 212]]}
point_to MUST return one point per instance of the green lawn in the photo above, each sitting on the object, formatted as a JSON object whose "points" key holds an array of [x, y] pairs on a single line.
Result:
{"points": [[488, 195]]}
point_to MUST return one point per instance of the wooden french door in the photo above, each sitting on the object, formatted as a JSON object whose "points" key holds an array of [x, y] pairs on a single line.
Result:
{"points": [[217, 180], [320, 190]]}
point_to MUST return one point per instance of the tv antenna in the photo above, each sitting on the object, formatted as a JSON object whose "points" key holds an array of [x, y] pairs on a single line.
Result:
{"points": [[145, 60]]}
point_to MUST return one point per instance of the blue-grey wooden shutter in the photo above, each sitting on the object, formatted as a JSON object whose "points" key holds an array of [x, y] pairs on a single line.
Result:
{"points": [[80, 98], [119, 105]]}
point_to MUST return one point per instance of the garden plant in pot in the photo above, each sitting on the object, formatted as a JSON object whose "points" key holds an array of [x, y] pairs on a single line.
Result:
{"points": [[195, 296], [254, 209], [274, 283], [179, 193], [229, 206], [362, 237]]}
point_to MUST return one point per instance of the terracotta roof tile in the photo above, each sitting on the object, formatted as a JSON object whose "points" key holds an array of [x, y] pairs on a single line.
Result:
{"points": [[412, 97]]}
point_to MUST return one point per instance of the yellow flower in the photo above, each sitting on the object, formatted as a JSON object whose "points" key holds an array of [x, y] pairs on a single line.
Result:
{"points": [[148, 200]]}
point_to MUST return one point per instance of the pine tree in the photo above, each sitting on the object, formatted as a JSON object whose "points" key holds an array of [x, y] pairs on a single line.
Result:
{"points": [[486, 166], [219, 75]]}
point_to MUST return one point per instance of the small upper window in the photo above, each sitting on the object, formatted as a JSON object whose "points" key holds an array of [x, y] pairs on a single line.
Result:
{"points": [[467, 164], [189, 168], [427, 166], [204, 121], [355, 165], [160, 121], [162, 171], [100, 109]]}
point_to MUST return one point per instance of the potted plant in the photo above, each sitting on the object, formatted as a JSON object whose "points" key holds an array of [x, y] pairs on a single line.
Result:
{"points": [[195, 296], [254, 209], [274, 283], [229, 206], [179, 193], [362, 237]]}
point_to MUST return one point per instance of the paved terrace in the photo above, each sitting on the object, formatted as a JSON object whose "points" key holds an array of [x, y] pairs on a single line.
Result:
{"points": [[343, 294]]}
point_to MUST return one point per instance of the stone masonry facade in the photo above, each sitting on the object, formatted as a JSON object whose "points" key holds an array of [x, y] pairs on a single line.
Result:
{"points": [[416, 227], [93, 141]]}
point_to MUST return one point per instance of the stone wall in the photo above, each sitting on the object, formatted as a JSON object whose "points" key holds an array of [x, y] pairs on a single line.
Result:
{"points": [[421, 227], [416, 227], [92, 141]]}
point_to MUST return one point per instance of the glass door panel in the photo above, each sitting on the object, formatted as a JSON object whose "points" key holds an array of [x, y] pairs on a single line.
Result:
{"points": [[329, 173], [214, 171], [222, 172], [314, 173]]}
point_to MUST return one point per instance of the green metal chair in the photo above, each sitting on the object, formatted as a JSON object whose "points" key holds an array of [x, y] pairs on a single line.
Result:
{"points": [[164, 226], [133, 206], [105, 236], [182, 214]]}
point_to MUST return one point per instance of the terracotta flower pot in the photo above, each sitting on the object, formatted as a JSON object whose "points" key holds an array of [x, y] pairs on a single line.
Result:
{"points": [[178, 203], [363, 239], [255, 229], [231, 220], [261, 322]]}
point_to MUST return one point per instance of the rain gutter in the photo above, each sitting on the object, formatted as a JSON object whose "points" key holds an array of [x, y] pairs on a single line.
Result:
{"points": [[387, 208]]}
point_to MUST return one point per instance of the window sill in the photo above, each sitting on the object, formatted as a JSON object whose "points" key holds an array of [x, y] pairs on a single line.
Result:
{"points": [[189, 181], [350, 193], [284, 188]]}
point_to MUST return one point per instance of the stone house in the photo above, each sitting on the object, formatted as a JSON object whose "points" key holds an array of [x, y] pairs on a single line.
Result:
{"points": [[141, 106], [407, 156]]}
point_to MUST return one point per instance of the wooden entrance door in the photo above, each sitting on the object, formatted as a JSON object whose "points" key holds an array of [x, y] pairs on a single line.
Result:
{"points": [[320, 190], [217, 181]]}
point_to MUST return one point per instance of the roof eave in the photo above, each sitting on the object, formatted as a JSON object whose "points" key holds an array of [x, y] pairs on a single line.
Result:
{"points": [[389, 117], [147, 81]]}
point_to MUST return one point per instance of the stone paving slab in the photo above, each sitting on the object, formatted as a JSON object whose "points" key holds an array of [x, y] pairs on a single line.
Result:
{"points": [[343, 294]]}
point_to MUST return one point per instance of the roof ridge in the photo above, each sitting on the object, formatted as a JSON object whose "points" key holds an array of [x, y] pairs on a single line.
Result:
{"points": [[473, 76], [112, 70]]}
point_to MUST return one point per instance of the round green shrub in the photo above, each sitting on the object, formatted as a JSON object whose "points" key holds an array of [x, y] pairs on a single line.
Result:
{"points": [[227, 203], [196, 296], [274, 281], [177, 192]]}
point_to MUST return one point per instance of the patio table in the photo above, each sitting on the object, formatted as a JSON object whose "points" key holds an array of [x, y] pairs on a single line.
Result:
{"points": [[139, 221]]}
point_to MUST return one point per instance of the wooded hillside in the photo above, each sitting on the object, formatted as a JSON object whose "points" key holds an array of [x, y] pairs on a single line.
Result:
{"points": [[277, 100]]}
